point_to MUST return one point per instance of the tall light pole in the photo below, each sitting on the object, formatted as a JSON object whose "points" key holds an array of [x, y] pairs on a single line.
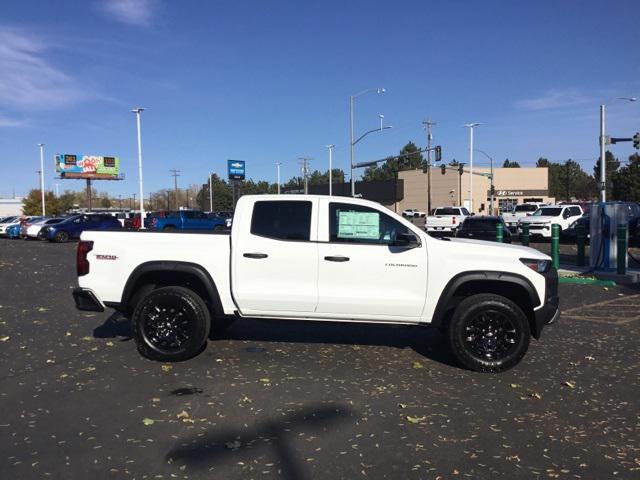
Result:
{"points": [[603, 143], [491, 185], [278, 175], [471, 126], [138, 111], [427, 126], [57, 192], [210, 192], [330, 148], [41, 145], [352, 143]]}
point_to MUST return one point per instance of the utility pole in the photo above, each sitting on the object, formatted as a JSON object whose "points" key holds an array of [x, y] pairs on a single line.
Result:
{"points": [[330, 148], [210, 192], [278, 175], [41, 145], [427, 126], [603, 166], [305, 172], [175, 174]]}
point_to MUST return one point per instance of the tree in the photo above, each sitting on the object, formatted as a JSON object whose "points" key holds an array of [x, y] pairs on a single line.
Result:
{"points": [[32, 203], [542, 162], [509, 164], [626, 185], [568, 180], [409, 158], [612, 166]]}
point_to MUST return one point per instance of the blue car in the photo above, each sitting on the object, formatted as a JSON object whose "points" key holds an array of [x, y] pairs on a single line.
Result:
{"points": [[73, 226], [185, 220], [13, 231]]}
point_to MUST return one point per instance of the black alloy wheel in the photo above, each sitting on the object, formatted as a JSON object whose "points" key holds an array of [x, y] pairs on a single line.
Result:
{"points": [[489, 333], [171, 324]]}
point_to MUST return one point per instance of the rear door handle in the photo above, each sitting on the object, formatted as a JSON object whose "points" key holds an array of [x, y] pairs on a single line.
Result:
{"points": [[338, 258], [255, 255]]}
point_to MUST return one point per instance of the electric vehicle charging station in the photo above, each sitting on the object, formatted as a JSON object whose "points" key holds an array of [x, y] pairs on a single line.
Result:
{"points": [[605, 217]]}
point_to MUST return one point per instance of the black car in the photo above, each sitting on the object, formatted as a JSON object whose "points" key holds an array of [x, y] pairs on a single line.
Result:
{"points": [[483, 228]]}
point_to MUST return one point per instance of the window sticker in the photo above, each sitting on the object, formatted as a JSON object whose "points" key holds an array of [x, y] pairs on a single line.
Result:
{"points": [[360, 225]]}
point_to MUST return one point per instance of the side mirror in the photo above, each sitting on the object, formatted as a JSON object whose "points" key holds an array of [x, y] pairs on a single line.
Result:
{"points": [[406, 240]]}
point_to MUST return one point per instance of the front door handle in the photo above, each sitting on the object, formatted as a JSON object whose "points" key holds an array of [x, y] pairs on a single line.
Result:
{"points": [[338, 258], [255, 255]]}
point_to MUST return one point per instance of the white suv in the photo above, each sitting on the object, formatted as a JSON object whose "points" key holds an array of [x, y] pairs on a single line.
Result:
{"points": [[541, 220]]}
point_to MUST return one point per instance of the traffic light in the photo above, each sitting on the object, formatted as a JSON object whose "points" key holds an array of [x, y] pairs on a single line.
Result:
{"points": [[443, 169], [438, 153], [461, 168], [636, 141]]}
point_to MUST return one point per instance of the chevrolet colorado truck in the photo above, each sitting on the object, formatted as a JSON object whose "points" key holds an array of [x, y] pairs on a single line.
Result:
{"points": [[319, 258]]}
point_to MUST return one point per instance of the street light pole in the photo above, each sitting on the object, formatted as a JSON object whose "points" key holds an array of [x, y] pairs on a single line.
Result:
{"points": [[330, 148], [138, 111], [352, 143], [427, 125], [41, 145], [278, 175], [491, 185], [210, 193], [471, 126]]}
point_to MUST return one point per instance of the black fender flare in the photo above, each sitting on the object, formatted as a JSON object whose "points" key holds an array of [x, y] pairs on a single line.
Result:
{"points": [[473, 276], [167, 266]]}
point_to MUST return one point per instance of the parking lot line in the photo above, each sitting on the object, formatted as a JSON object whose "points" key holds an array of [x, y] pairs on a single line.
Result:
{"points": [[619, 311]]}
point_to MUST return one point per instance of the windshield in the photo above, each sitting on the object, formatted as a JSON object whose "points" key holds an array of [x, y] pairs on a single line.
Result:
{"points": [[548, 212], [525, 208], [447, 211]]}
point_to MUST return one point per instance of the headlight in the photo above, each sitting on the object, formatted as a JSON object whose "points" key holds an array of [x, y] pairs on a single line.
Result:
{"points": [[539, 266]]}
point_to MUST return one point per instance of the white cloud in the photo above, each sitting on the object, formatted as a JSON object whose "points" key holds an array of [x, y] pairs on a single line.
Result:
{"points": [[28, 80], [554, 99], [132, 12], [11, 122]]}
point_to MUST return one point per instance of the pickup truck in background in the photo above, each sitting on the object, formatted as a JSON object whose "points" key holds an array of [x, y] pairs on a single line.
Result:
{"points": [[541, 220], [446, 219], [319, 258], [185, 220], [512, 218]]}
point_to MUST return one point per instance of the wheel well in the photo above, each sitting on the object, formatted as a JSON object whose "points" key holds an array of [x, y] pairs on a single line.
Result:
{"points": [[153, 280], [515, 292]]}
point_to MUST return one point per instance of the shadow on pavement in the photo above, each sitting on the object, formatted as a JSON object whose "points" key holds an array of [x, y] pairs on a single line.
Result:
{"points": [[116, 325], [231, 445]]}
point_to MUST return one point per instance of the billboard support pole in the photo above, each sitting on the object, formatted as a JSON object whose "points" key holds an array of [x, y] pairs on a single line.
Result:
{"points": [[89, 193]]}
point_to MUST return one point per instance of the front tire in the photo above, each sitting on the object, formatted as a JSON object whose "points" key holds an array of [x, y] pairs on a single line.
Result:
{"points": [[489, 333], [61, 237], [171, 324]]}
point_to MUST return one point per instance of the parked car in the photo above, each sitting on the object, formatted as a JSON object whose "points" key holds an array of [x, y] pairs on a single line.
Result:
{"points": [[13, 231], [6, 222], [413, 213], [37, 229], [633, 215], [520, 211], [73, 226], [446, 219], [311, 257], [541, 220], [27, 223], [483, 228], [227, 216], [187, 220]]}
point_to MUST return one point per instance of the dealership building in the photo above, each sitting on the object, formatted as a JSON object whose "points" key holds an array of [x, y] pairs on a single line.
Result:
{"points": [[512, 186]]}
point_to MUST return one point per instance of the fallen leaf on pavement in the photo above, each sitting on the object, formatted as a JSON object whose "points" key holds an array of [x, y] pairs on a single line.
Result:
{"points": [[148, 421], [166, 368], [411, 419], [570, 384], [183, 414], [417, 365], [4, 339]]}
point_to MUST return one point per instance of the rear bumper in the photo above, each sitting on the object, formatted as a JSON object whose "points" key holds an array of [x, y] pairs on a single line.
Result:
{"points": [[86, 300], [549, 312]]}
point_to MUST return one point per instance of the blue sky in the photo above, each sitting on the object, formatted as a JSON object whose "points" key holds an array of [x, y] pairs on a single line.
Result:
{"points": [[270, 81]]}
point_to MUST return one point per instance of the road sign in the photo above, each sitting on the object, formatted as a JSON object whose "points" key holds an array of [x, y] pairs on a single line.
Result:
{"points": [[236, 169]]}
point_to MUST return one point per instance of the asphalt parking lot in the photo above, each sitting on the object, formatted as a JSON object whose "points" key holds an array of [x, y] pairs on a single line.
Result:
{"points": [[297, 401]]}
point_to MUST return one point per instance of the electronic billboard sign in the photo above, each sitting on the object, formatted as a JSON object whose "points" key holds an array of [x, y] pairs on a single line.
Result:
{"points": [[87, 166]]}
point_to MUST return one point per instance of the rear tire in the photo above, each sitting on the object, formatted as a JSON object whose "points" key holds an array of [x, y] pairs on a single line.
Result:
{"points": [[61, 237], [171, 324], [488, 333]]}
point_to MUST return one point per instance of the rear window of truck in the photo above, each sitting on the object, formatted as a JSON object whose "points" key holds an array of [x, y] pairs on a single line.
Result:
{"points": [[282, 220]]}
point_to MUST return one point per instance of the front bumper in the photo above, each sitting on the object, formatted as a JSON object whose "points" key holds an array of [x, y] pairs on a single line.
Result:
{"points": [[549, 312], [86, 300]]}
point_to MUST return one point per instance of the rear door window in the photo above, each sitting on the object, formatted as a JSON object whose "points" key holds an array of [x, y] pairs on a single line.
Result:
{"points": [[282, 220]]}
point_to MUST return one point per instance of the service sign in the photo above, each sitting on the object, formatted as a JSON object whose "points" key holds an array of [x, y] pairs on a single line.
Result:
{"points": [[236, 169], [87, 166]]}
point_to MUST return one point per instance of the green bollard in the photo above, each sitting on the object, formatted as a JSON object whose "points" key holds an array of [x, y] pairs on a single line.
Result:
{"points": [[555, 245], [580, 240], [499, 233], [621, 254], [524, 236]]}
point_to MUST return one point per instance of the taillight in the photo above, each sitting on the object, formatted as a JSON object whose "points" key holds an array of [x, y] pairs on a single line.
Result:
{"points": [[82, 264], [454, 220]]}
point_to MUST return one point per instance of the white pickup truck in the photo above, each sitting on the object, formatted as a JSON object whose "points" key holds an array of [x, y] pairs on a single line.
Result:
{"points": [[446, 219], [541, 220], [523, 210], [305, 257]]}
